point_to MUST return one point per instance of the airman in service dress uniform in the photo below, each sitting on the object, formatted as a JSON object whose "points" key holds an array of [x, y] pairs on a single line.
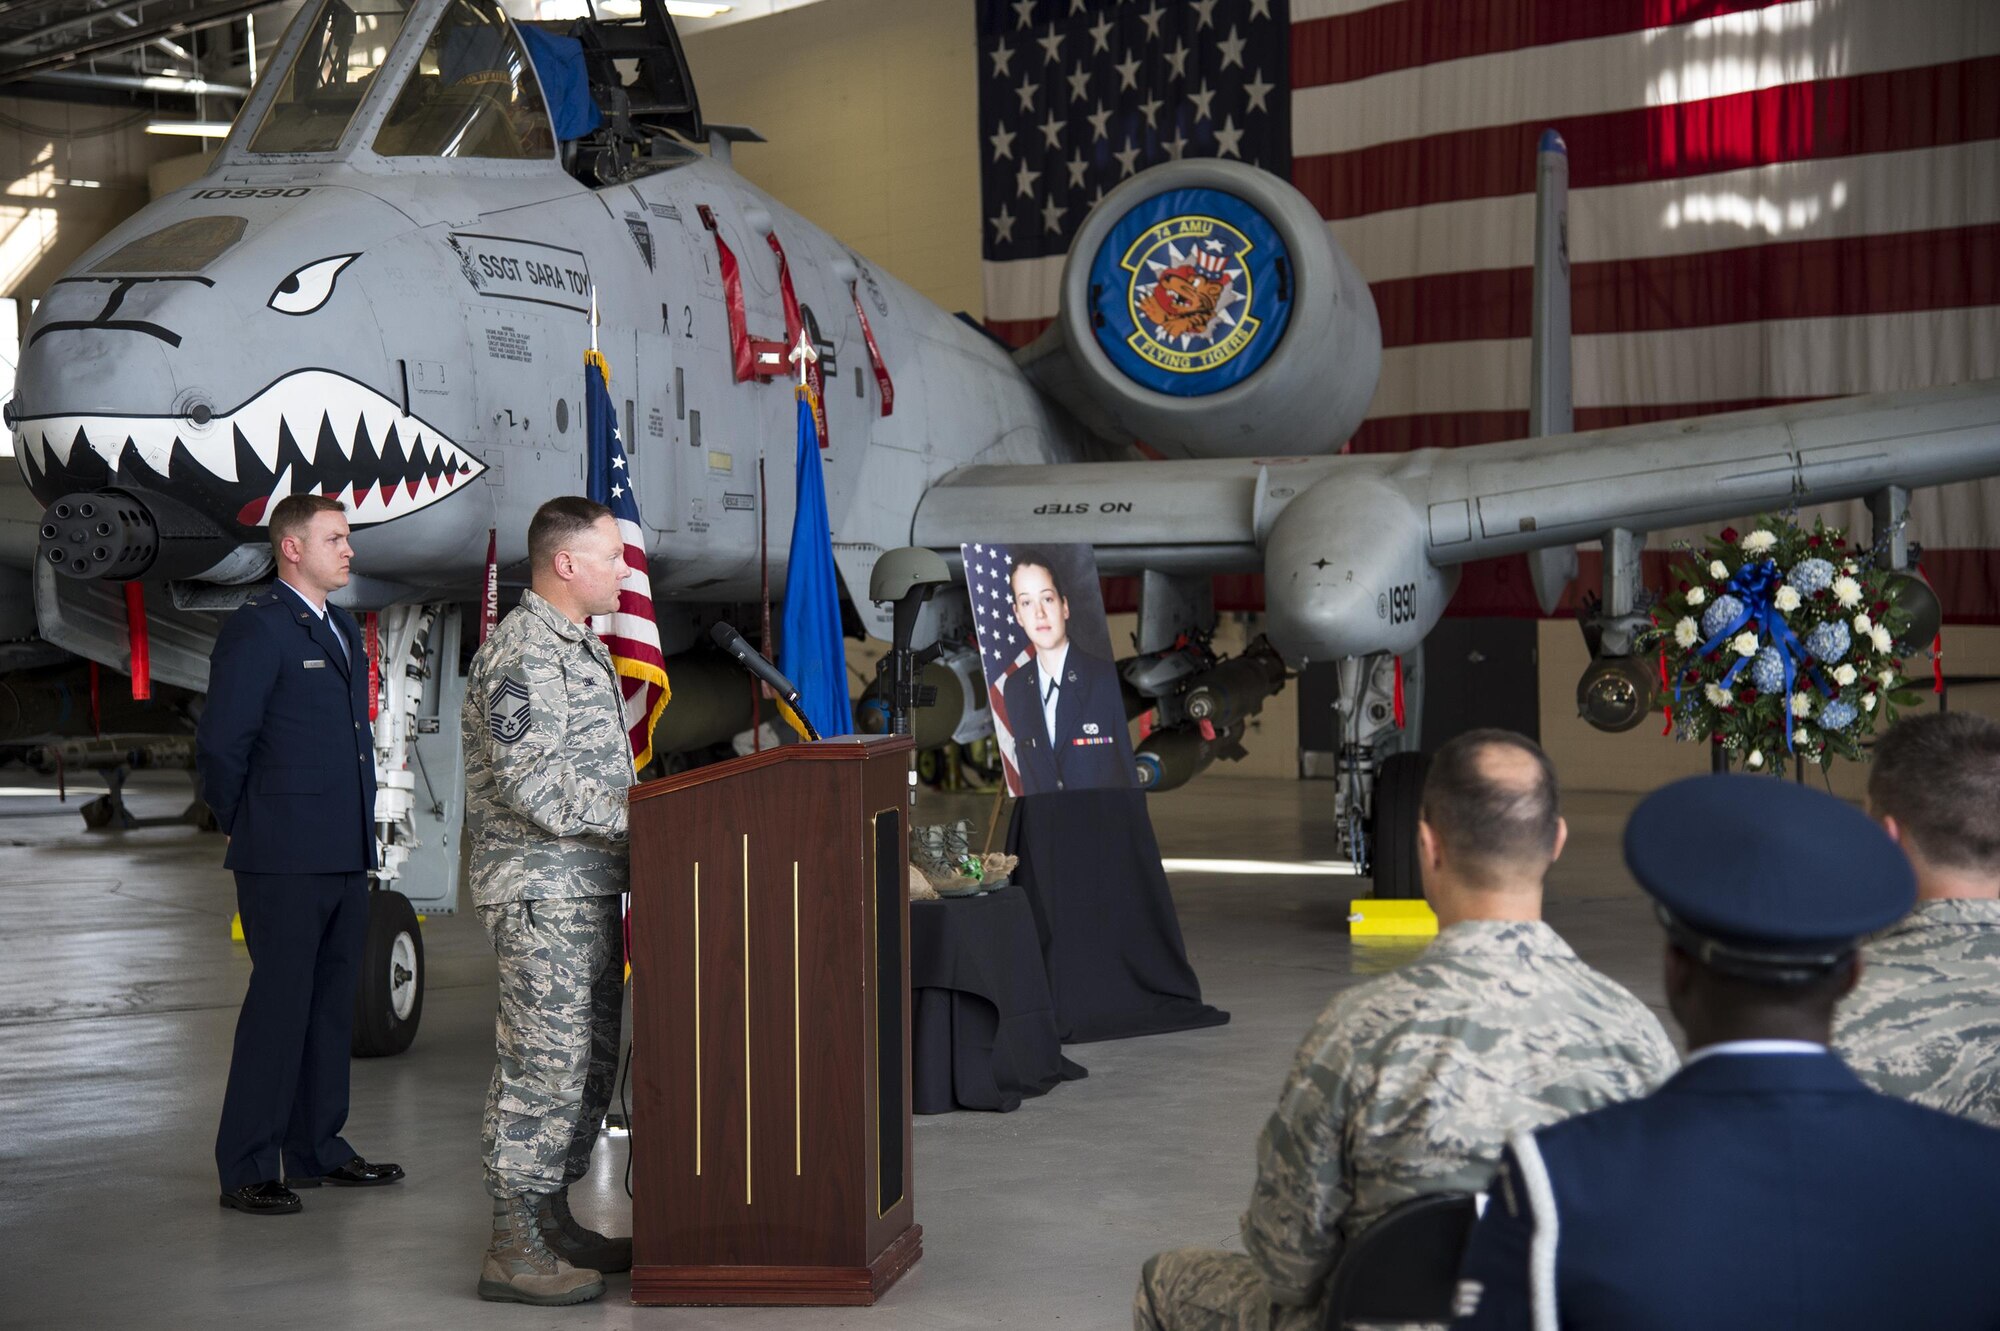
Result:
{"points": [[547, 767], [286, 760], [1764, 1185]]}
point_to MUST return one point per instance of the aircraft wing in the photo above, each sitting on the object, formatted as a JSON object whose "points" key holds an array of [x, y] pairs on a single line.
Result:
{"points": [[1359, 552]]}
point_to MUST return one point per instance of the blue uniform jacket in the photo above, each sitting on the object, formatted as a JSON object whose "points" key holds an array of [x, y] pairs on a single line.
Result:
{"points": [[1773, 1192], [1090, 748], [284, 752]]}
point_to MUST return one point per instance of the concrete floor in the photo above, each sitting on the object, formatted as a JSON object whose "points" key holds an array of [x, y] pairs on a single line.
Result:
{"points": [[118, 996]]}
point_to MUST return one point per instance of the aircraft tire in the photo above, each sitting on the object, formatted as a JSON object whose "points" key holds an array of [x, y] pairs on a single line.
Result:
{"points": [[389, 1000], [1399, 792]]}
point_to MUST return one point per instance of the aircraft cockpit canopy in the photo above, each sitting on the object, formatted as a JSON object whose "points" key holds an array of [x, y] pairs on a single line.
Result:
{"points": [[471, 93], [346, 44]]}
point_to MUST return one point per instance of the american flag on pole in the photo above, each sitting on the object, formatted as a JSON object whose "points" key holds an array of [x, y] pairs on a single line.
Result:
{"points": [[630, 631], [1003, 648], [1771, 200]]}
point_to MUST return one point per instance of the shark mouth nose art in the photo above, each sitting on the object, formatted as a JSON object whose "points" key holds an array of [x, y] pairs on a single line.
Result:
{"points": [[311, 432]]}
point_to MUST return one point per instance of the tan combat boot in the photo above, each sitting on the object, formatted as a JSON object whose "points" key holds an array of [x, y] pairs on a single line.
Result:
{"points": [[519, 1267], [569, 1240]]}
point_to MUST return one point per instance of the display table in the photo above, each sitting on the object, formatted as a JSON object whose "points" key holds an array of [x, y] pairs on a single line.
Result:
{"points": [[1110, 938], [982, 1027]]}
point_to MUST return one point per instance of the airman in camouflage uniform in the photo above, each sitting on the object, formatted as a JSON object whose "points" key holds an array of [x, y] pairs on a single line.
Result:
{"points": [[1924, 1022], [1410, 1084], [547, 767]]}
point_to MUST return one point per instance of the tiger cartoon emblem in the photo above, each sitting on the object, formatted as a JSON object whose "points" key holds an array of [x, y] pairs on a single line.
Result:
{"points": [[1188, 295], [1185, 299]]}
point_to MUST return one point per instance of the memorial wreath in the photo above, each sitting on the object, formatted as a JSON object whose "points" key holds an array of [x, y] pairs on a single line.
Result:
{"points": [[1781, 641]]}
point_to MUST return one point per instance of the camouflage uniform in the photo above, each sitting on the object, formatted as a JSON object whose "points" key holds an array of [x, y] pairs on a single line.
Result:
{"points": [[547, 765], [1410, 1084], [1924, 1023]]}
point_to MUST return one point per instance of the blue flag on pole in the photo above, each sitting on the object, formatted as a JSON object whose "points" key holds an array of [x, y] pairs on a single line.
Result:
{"points": [[810, 650]]}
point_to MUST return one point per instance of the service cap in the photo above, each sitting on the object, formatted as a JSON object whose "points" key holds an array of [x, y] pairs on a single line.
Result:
{"points": [[1764, 879]]}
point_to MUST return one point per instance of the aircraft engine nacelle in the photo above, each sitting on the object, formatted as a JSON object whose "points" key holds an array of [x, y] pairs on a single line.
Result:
{"points": [[1345, 573], [1207, 312]]}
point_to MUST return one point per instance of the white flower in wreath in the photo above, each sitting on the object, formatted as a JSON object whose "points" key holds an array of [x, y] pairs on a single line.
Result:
{"points": [[1759, 541], [1718, 696], [1847, 591], [1717, 569], [1686, 634], [1844, 675], [1744, 644], [1800, 737], [1880, 637], [1697, 595], [1802, 704], [1755, 760], [1868, 703], [1847, 567], [1787, 599], [1888, 678]]}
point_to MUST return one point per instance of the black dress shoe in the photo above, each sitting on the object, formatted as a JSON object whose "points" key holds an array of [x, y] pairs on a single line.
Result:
{"points": [[267, 1198], [356, 1173]]}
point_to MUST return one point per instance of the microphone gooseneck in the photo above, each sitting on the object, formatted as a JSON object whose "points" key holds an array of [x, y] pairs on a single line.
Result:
{"points": [[732, 642]]}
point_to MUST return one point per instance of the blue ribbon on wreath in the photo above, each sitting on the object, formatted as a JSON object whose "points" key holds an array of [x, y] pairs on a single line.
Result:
{"points": [[1756, 586]]}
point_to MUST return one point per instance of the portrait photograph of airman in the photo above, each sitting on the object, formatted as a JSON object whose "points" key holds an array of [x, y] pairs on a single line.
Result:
{"points": [[1046, 648]]}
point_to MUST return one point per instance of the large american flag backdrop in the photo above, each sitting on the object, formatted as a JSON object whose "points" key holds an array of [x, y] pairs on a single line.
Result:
{"points": [[1770, 202]]}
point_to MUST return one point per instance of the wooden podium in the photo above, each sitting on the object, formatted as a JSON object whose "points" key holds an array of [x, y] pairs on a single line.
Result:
{"points": [[771, 1028]]}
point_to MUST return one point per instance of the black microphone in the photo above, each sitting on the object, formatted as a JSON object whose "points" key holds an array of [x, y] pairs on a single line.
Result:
{"points": [[729, 640]]}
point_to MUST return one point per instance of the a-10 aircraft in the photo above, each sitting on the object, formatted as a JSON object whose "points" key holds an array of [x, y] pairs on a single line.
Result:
{"points": [[380, 292]]}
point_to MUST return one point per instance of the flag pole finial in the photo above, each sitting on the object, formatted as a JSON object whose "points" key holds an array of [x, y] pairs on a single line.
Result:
{"points": [[803, 355]]}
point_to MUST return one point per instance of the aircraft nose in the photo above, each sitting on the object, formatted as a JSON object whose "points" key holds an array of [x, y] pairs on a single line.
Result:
{"points": [[128, 373]]}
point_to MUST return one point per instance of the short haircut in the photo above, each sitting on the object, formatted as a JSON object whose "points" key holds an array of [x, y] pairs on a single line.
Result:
{"points": [[1028, 554], [1486, 822], [559, 522], [1938, 776], [291, 516]]}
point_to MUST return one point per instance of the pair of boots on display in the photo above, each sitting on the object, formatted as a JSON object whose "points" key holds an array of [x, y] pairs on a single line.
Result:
{"points": [[542, 1255]]}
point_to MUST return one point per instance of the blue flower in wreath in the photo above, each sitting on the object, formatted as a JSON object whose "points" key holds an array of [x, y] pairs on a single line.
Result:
{"points": [[1721, 613], [1811, 575], [1767, 670], [1829, 641], [1837, 715]]}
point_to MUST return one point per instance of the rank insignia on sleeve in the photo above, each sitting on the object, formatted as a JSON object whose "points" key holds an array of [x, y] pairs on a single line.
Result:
{"points": [[507, 711]]}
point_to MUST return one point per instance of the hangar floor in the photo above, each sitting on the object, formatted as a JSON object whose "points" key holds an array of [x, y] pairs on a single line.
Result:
{"points": [[118, 995]]}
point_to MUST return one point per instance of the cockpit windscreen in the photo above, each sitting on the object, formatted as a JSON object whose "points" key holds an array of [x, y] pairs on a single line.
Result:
{"points": [[345, 46], [472, 94]]}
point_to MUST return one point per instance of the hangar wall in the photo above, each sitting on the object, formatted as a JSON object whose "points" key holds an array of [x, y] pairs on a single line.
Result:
{"points": [[870, 109], [73, 172]]}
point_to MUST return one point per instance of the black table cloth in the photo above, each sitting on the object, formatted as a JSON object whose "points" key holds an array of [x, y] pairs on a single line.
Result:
{"points": [[982, 1030], [1109, 935]]}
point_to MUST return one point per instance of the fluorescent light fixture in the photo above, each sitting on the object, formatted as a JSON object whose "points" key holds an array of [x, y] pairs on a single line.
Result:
{"points": [[194, 129], [696, 9], [1320, 868], [82, 184]]}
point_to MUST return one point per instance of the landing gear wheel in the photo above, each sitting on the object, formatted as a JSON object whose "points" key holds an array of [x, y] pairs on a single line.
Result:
{"points": [[389, 1001], [1392, 841]]}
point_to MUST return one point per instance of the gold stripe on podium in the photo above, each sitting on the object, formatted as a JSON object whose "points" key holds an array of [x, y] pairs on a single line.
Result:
{"points": [[798, 1117], [749, 1168], [697, 1018]]}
